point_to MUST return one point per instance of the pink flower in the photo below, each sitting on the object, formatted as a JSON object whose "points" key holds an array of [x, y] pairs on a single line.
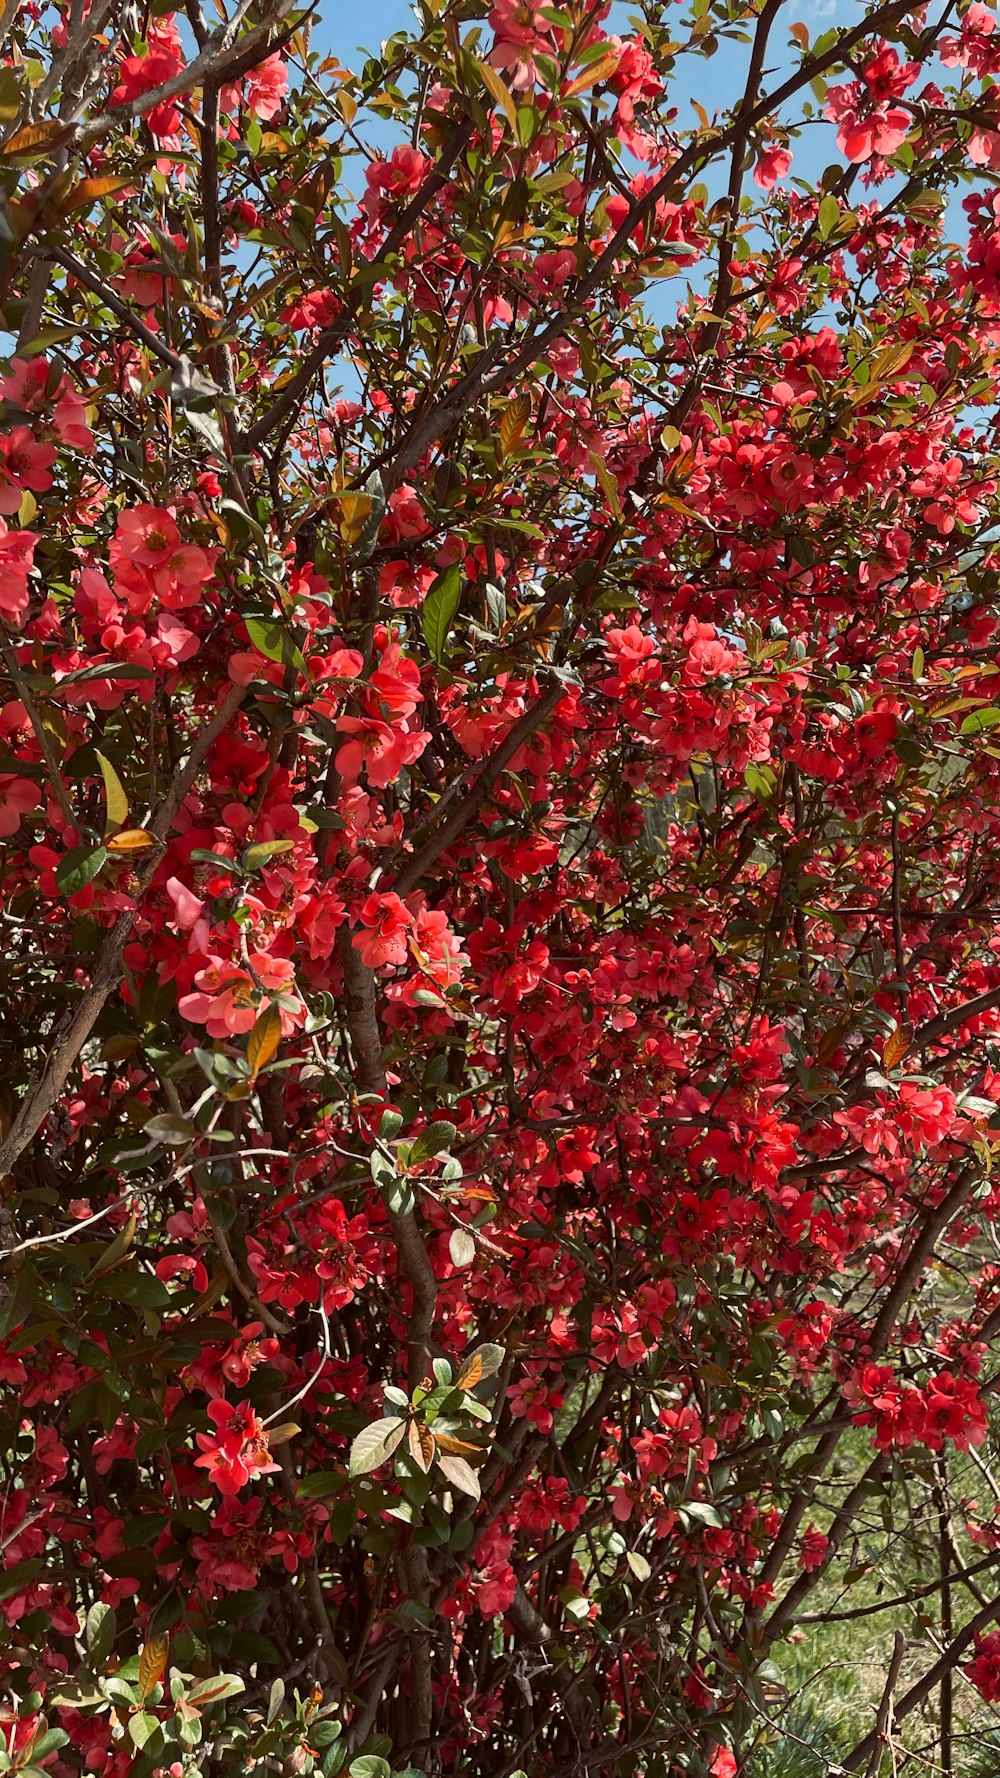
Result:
{"points": [[189, 914], [387, 920], [814, 1548], [392, 181], [238, 1449], [564, 358], [436, 948], [150, 561], [522, 31], [17, 796], [147, 535], [860, 136], [723, 1763], [377, 749], [16, 551], [263, 90], [772, 164], [24, 463], [142, 74], [228, 1000]]}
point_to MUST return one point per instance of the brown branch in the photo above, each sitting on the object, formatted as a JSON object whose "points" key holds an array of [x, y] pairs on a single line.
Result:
{"points": [[911, 1598], [945, 1022], [97, 287], [44, 1091], [366, 1044], [332, 336], [224, 58], [42, 735], [946, 1663], [482, 777], [884, 1715], [483, 378], [237, 1279]]}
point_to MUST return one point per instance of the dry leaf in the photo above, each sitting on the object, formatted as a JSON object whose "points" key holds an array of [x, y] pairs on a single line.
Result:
{"points": [[457, 1447], [263, 1040], [895, 1047], [280, 1435], [131, 839], [592, 76], [497, 90], [471, 1372], [515, 419], [421, 1445], [152, 1665]]}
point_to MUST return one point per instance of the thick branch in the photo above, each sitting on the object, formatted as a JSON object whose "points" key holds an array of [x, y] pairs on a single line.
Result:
{"points": [[366, 1043], [946, 1663]]}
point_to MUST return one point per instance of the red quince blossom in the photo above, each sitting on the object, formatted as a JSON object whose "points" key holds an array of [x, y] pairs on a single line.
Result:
{"points": [[17, 797], [228, 998], [868, 123], [773, 163], [140, 74], [521, 30], [387, 921], [236, 1452], [394, 180], [262, 91], [16, 555]]}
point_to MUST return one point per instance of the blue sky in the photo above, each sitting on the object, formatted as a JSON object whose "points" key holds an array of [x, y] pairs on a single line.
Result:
{"points": [[716, 82]]}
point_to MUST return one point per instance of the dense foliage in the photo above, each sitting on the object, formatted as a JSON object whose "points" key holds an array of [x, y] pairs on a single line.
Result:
{"points": [[500, 786]]}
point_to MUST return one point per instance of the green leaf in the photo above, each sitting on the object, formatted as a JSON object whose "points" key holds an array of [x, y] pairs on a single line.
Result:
{"points": [[375, 1445], [439, 608], [10, 95], [702, 1511], [17, 1301], [342, 1521], [99, 1633], [320, 1485], [275, 1700], [484, 1361], [142, 1727], [112, 670], [761, 782], [216, 859], [221, 1685], [79, 867], [255, 856], [271, 639], [828, 215], [497, 90], [638, 1564], [433, 1141], [138, 1288], [15, 1578], [48, 1742], [115, 796], [115, 1251], [979, 720], [170, 1129], [496, 607], [370, 1765]]}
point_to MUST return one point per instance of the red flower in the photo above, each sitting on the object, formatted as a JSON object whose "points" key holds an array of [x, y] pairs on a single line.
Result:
{"points": [[238, 1450], [387, 920]]}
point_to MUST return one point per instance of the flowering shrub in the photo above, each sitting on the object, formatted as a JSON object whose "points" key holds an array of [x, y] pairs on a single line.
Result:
{"points": [[500, 1000]]}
